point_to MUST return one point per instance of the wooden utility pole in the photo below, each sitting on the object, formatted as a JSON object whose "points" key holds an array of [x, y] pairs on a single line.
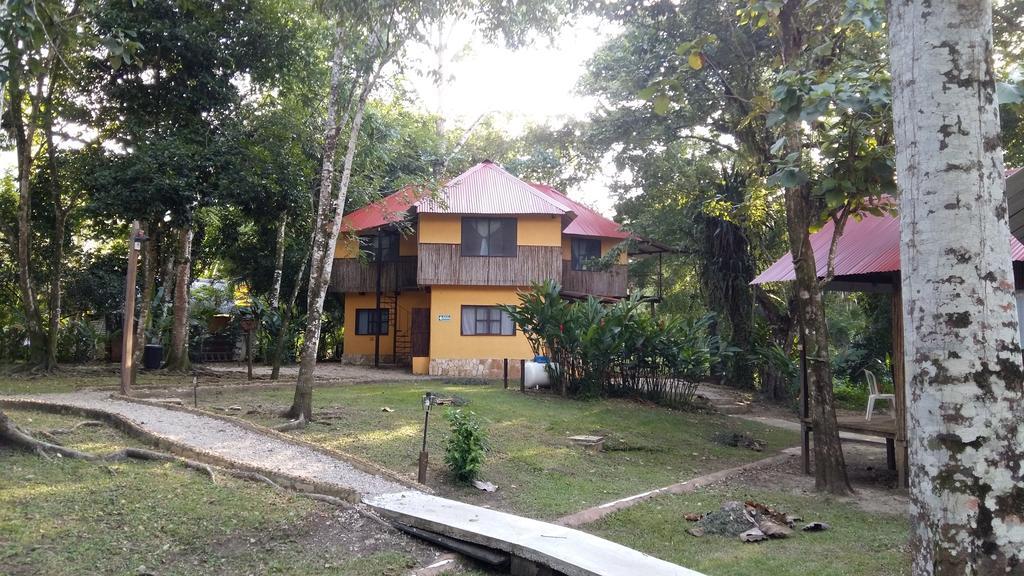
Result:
{"points": [[128, 327]]}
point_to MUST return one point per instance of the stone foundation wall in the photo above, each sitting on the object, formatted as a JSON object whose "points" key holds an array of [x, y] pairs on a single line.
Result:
{"points": [[491, 368], [365, 359]]}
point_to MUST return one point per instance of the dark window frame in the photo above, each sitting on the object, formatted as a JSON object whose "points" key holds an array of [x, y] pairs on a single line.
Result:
{"points": [[390, 246], [512, 244], [488, 323], [579, 260], [381, 320]]}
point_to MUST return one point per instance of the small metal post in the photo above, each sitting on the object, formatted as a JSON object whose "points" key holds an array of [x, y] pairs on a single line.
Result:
{"points": [[195, 391], [248, 352], [506, 373], [522, 376], [421, 477]]}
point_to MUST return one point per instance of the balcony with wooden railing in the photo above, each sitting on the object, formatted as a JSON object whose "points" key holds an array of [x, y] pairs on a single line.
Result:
{"points": [[610, 283], [353, 275], [444, 264]]}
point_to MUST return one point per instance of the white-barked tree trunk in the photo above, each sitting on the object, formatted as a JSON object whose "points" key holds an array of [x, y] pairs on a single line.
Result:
{"points": [[965, 414]]}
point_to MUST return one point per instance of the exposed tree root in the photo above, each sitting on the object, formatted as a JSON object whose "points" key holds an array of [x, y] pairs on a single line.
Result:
{"points": [[292, 425], [86, 423], [11, 434], [48, 436], [253, 477], [325, 498]]}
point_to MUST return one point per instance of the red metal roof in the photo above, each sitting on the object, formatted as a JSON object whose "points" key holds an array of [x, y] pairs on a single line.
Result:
{"points": [[489, 189], [387, 210], [871, 244], [587, 222]]}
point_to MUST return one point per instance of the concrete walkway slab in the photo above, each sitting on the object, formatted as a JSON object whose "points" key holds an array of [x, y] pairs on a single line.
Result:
{"points": [[226, 442], [566, 550]]}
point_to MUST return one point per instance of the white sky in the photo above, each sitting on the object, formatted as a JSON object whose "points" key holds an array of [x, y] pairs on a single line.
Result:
{"points": [[533, 85]]}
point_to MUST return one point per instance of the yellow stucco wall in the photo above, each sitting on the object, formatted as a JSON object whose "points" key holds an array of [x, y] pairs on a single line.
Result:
{"points": [[347, 246], [606, 245], [408, 245], [446, 340], [540, 230], [440, 229], [364, 345], [609, 243], [531, 230]]}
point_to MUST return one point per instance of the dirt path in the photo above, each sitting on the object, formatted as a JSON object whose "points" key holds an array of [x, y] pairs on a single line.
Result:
{"points": [[597, 512], [326, 373], [232, 442]]}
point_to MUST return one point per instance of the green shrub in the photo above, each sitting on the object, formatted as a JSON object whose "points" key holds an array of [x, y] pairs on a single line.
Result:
{"points": [[77, 342], [851, 395], [466, 445], [617, 349]]}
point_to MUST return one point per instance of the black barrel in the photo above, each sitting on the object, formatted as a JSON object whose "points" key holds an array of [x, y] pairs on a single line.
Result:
{"points": [[153, 356]]}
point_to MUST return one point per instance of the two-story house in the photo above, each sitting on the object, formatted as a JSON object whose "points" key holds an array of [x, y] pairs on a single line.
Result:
{"points": [[439, 264]]}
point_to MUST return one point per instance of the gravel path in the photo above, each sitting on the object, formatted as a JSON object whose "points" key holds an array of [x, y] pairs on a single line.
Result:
{"points": [[228, 440]]}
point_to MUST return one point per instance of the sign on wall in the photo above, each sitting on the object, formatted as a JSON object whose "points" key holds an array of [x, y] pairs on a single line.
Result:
{"points": [[444, 317]]}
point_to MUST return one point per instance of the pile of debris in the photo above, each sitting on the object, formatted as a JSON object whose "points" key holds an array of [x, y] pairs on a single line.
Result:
{"points": [[749, 521], [738, 440]]}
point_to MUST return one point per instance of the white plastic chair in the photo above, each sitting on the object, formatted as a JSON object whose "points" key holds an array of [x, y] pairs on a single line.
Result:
{"points": [[875, 394]]}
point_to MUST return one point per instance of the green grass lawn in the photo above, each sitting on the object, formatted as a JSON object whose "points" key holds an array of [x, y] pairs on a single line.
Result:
{"points": [[71, 378], [69, 517], [538, 471], [858, 544]]}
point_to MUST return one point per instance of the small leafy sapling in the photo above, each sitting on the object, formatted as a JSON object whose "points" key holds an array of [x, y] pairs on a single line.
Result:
{"points": [[466, 445]]}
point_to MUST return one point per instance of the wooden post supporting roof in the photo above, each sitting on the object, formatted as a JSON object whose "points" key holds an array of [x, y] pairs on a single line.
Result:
{"points": [[899, 384]]}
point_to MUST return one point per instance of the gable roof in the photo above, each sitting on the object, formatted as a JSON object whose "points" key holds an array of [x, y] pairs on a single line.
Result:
{"points": [[587, 222], [388, 210], [1015, 201], [489, 189], [868, 245]]}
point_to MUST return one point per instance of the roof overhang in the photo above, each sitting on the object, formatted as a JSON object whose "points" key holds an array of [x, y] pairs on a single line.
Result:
{"points": [[1015, 201]]}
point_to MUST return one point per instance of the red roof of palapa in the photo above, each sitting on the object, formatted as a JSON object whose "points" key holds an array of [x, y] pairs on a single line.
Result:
{"points": [[871, 244], [486, 188]]}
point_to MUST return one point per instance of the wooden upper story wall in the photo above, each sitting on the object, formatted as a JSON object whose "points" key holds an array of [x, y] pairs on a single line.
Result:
{"points": [[444, 264], [433, 256]]}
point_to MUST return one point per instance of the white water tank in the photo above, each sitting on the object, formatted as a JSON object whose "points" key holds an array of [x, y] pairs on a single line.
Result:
{"points": [[536, 374]]}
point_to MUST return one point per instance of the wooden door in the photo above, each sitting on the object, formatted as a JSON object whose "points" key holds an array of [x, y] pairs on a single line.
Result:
{"points": [[420, 332]]}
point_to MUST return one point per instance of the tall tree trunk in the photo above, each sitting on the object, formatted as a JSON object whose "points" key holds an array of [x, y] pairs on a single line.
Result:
{"points": [[275, 289], [963, 357], [286, 323], [328, 221], [54, 304], [23, 136], [59, 234], [177, 357], [149, 265], [829, 464]]}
